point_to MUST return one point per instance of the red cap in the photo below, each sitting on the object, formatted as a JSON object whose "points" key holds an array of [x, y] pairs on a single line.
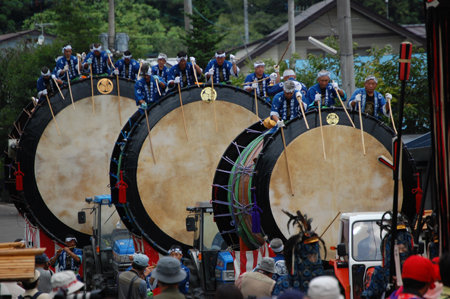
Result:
{"points": [[420, 269], [437, 273]]}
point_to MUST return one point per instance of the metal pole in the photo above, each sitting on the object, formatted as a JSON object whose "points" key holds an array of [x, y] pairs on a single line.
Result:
{"points": [[187, 10], [111, 25], [246, 21], [346, 46], [291, 24]]}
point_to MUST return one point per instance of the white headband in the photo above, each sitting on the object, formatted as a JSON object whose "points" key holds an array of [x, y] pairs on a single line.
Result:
{"points": [[162, 56], [176, 250], [371, 77], [48, 73], [280, 249], [68, 47], [182, 58], [97, 49], [259, 64], [71, 239], [221, 55], [149, 72], [125, 57], [323, 74], [288, 73]]}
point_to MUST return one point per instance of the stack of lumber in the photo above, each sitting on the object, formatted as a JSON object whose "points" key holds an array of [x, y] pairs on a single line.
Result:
{"points": [[17, 262]]}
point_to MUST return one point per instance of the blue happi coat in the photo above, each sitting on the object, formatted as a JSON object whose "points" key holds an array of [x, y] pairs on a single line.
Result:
{"points": [[73, 68], [264, 93], [280, 267], [75, 266], [147, 93], [175, 71], [99, 65], [276, 88], [227, 70], [379, 102], [280, 104], [164, 73], [330, 95], [41, 85], [133, 69]]}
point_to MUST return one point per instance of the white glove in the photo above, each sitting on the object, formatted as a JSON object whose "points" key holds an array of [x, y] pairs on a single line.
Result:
{"points": [[53, 77], [192, 58], [232, 58], [177, 80], [273, 76], [358, 98], [143, 106], [280, 123], [83, 56], [116, 72], [45, 92], [318, 98], [388, 96], [298, 95], [211, 71], [335, 85], [255, 85], [89, 61], [66, 67], [276, 68]]}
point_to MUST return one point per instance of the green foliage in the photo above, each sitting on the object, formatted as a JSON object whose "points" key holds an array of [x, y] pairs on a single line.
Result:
{"points": [[13, 12], [203, 39]]}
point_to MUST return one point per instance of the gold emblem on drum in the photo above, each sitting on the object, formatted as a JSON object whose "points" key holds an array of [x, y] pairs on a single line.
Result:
{"points": [[207, 96], [332, 119], [105, 86]]}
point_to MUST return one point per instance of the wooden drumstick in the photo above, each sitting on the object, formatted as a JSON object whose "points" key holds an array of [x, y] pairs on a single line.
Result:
{"points": [[92, 88], [362, 130], [255, 81], [330, 224], [57, 85], [345, 109], [70, 90], [287, 47], [51, 110], [287, 162], [157, 86], [139, 72], [321, 132], [182, 111], [195, 74], [256, 106], [149, 138], [303, 112], [392, 116], [214, 103], [118, 95]]}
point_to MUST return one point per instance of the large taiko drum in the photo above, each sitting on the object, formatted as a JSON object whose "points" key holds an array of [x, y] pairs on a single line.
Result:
{"points": [[161, 187], [60, 171], [255, 177]]}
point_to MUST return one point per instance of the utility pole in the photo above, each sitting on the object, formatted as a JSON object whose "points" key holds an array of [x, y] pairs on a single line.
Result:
{"points": [[111, 26], [187, 10], [42, 25], [291, 27], [246, 20], [346, 46]]}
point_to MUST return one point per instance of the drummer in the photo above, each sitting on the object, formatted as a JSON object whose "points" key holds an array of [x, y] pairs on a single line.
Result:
{"points": [[260, 80], [288, 75], [145, 90], [324, 92], [285, 106], [46, 84], [372, 102]]}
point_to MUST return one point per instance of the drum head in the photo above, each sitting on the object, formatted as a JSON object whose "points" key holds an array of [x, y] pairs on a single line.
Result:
{"points": [[62, 170], [159, 193]]}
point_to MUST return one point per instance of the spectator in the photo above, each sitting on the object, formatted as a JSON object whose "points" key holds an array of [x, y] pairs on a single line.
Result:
{"points": [[169, 274], [41, 264], [260, 282], [228, 291], [130, 284], [66, 280], [324, 287], [31, 290]]}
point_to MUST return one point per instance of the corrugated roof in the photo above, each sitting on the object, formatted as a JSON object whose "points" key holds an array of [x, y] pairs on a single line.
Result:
{"points": [[423, 141], [9, 36]]}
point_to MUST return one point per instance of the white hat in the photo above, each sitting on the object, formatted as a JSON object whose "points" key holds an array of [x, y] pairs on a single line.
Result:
{"points": [[67, 280], [288, 72], [324, 287], [35, 277]]}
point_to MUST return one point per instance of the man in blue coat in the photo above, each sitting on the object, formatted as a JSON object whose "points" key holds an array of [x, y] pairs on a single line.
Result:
{"points": [[68, 64], [285, 106], [324, 92], [98, 60], [126, 67], [220, 69], [184, 71], [372, 102], [161, 69], [46, 84], [288, 75], [260, 85], [145, 90]]}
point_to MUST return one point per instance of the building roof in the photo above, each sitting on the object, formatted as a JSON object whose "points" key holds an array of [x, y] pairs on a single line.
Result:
{"points": [[11, 36], [317, 10], [417, 29]]}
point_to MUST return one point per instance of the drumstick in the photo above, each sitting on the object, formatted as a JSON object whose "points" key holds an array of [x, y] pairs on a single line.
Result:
{"points": [[149, 138], [92, 88], [330, 224], [61, 249], [51, 110], [70, 90], [321, 132], [287, 47], [342, 103], [392, 117], [214, 103], [139, 72], [182, 111], [287, 162], [255, 81], [57, 85], [303, 112], [157, 86], [118, 95], [362, 131], [256, 106], [195, 74]]}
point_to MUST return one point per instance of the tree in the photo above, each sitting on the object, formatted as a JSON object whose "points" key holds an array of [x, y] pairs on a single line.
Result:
{"points": [[202, 40]]}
